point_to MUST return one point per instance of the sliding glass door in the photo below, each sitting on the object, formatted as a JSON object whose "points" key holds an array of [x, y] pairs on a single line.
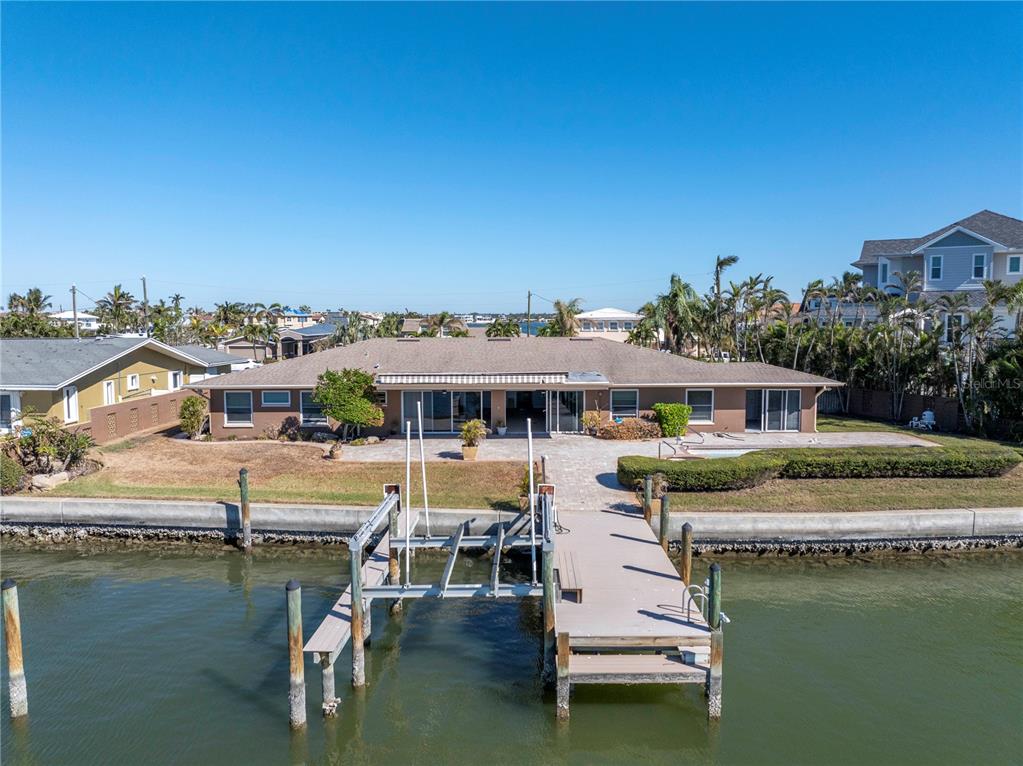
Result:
{"points": [[444, 411], [565, 411], [773, 409]]}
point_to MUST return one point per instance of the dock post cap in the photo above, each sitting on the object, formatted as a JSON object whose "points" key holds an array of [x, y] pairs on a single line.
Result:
{"points": [[687, 526], [244, 471], [715, 567], [293, 584], [8, 584]]}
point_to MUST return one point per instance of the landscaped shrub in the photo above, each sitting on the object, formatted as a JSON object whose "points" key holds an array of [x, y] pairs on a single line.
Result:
{"points": [[43, 445], [754, 468], [630, 429], [11, 474], [192, 413], [672, 417]]}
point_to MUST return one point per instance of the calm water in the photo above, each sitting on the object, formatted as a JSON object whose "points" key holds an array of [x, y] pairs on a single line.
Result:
{"points": [[179, 657]]}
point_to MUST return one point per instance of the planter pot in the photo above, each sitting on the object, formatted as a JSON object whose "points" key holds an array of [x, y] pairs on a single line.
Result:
{"points": [[334, 453], [469, 453], [502, 430]]}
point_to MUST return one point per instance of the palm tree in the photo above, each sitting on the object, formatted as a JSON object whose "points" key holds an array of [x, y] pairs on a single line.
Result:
{"points": [[643, 334], [720, 264], [31, 303], [503, 327], [564, 322], [118, 309], [445, 323]]}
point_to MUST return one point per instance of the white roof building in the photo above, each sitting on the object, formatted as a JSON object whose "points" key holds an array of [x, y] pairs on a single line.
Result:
{"points": [[610, 323]]}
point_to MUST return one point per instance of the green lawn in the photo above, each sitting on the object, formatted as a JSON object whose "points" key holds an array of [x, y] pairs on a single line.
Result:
{"points": [[841, 423]]}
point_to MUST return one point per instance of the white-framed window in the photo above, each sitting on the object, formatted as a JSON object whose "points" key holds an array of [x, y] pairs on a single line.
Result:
{"points": [[882, 272], [625, 402], [1014, 264], [237, 408], [953, 322], [10, 407], [70, 404], [381, 398], [979, 265], [109, 395], [176, 379], [613, 326], [133, 381], [937, 262], [628, 325], [702, 402], [587, 327], [311, 412], [276, 398]]}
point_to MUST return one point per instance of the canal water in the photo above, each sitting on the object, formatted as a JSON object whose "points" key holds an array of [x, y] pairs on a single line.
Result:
{"points": [[179, 656]]}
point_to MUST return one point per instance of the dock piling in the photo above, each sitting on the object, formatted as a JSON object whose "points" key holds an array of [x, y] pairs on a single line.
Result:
{"points": [[18, 689], [648, 498], [714, 597], [548, 614], [663, 531], [296, 694], [358, 637], [393, 565], [564, 686], [243, 487], [687, 553], [330, 698]]}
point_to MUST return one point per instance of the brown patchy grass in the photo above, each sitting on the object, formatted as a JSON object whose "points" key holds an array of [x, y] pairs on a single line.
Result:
{"points": [[161, 468], [799, 495]]}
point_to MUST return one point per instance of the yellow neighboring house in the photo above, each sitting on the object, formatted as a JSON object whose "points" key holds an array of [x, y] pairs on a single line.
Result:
{"points": [[66, 378]]}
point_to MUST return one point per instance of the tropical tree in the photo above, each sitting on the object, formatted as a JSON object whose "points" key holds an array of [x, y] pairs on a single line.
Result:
{"points": [[118, 309], [563, 321], [502, 327], [32, 303], [348, 397]]}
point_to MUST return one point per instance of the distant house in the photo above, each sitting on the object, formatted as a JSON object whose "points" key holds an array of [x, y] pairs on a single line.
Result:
{"points": [[413, 326], [88, 322], [610, 323], [549, 381], [289, 343], [955, 259], [293, 319], [67, 378]]}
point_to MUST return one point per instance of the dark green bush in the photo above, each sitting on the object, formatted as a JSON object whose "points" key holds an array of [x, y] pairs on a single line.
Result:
{"points": [[672, 417], [11, 474], [754, 468]]}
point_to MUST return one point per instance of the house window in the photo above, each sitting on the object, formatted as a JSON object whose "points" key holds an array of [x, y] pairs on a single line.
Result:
{"points": [[276, 398], [936, 263], [625, 403], [628, 326], [1014, 264], [71, 404], [312, 413], [883, 280], [953, 323], [587, 327], [381, 398], [5, 412], [702, 402], [237, 408], [979, 265], [133, 382], [613, 326], [176, 379]]}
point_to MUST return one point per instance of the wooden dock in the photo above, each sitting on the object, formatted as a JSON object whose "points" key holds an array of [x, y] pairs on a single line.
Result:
{"points": [[615, 609], [629, 618]]}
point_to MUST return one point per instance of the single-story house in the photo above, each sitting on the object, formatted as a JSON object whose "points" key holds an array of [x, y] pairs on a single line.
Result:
{"points": [[88, 322], [67, 378], [551, 381], [290, 343]]}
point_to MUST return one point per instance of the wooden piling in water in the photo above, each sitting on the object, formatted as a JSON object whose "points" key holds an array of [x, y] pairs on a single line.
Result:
{"points": [[687, 553], [663, 531], [564, 686], [358, 637], [393, 563], [548, 616], [714, 598], [296, 693], [648, 498], [243, 487], [17, 688], [717, 653], [330, 698]]}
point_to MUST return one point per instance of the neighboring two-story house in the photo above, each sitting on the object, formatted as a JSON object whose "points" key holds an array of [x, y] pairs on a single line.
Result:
{"points": [[956, 258]]}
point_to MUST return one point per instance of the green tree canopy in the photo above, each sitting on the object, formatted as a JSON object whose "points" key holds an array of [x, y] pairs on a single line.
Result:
{"points": [[349, 397]]}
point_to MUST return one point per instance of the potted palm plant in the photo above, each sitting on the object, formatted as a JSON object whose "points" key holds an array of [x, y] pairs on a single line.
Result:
{"points": [[472, 433], [502, 429]]}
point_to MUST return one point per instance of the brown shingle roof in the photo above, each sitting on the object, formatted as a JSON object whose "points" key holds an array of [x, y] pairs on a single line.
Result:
{"points": [[619, 363]]}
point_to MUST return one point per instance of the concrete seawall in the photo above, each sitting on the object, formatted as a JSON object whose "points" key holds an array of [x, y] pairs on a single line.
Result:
{"points": [[274, 520]]}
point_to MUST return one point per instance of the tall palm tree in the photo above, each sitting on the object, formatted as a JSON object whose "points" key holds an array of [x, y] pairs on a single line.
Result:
{"points": [[502, 327], [564, 322], [444, 323], [118, 309], [720, 264]]}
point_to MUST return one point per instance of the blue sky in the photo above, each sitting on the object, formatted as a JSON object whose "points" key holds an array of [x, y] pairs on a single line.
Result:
{"points": [[454, 156]]}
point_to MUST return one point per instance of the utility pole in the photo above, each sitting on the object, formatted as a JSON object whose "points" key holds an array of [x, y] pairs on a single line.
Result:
{"points": [[74, 310], [529, 311], [145, 307]]}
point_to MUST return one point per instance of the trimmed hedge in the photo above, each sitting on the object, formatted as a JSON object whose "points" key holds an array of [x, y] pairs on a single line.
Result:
{"points": [[755, 468]]}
